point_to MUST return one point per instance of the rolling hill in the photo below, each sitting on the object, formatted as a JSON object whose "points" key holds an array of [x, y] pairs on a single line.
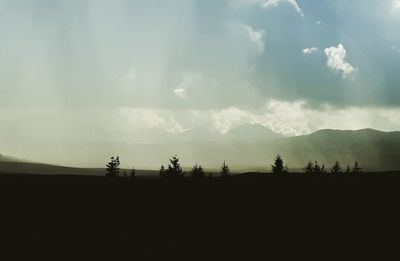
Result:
{"points": [[11, 165]]}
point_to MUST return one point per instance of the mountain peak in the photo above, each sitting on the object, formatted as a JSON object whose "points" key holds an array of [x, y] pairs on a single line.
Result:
{"points": [[337, 131], [253, 132]]}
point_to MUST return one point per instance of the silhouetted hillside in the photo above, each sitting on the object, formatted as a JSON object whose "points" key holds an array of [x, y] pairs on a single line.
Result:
{"points": [[19, 166], [375, 149], [6, 158]]}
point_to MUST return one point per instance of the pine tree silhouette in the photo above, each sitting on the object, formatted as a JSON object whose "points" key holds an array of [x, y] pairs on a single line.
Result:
{"points": [[309, 168], [279, 167], [163, 171], [348, 169], [174, 168], [317, 168], [336, 169], [356, 169], [112, 167], [197, 172], [314, 169], [225, 172]]}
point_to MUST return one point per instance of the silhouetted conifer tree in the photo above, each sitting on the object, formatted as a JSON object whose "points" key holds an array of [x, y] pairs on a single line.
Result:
{"points": [[309, 168], [336, 169], [133, 173], [225, 172], [197, 172], [174, 168], [323, 169], [317, 168], [112, 169], [348, 169], [163, 172], [356, 169], [314, 169], [279, 167]]}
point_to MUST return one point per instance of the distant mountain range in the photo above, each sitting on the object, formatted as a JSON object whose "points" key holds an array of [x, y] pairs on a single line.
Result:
{"points": [[245, 132], [246, 148]]}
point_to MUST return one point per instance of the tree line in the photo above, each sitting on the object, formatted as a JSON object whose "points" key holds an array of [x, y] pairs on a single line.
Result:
{"points": [[174, 169]]}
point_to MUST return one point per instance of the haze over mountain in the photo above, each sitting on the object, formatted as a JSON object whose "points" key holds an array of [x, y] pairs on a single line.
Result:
{"points": [[244, 132], [246, 148], [252, 132]]}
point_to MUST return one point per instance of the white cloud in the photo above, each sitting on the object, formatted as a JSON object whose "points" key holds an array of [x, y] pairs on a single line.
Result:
{"points": [[140, 118], [176, 126], [297, 118], [256, 37], [310, 50], [336, 60], [287, 118], [180, 92], [318, 23], [272, 3], [396, 5], [226, 119], [284, 117]]}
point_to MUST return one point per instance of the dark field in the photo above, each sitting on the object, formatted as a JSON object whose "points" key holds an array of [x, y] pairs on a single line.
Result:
{"points": [[241, 216]]}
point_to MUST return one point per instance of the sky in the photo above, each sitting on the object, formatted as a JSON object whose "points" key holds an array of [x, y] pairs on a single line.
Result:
{"points": [[100, 69]]}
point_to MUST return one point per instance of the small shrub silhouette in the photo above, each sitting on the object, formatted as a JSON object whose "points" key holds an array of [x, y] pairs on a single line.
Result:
{"points": [[112, 167], [133, 173]]}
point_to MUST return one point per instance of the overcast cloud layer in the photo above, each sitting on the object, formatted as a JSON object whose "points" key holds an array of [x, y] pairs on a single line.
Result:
{"points": [[114, 66]]}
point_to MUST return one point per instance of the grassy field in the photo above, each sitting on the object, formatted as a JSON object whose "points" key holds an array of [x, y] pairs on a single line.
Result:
{"points": [[241, 216]]}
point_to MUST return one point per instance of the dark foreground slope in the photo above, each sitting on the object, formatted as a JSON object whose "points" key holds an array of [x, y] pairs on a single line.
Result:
{"points": [[246, 215]]}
